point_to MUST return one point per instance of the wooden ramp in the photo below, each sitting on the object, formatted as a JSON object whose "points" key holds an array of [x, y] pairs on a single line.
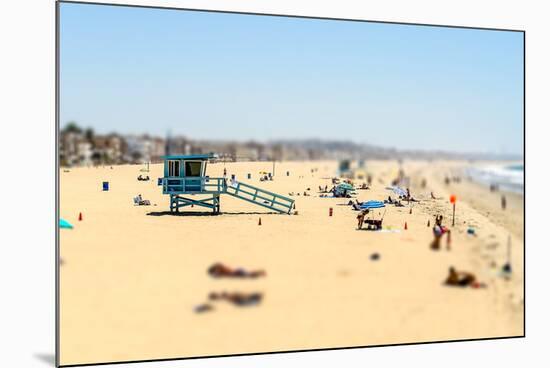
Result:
{"points": [[260, 197]]}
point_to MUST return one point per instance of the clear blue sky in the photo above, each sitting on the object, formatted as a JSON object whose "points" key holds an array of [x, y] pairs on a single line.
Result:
{"points": [[231, 76]]}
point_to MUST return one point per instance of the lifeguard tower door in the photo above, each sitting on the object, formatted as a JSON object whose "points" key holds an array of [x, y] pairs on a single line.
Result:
{"points": [[194, 169]]}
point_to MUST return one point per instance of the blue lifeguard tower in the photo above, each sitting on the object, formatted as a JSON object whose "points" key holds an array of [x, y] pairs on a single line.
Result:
{"points": [[185, 175]]}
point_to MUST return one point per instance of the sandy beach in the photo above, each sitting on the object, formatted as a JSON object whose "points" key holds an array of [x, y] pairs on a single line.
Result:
{"points": [[130, 276]]}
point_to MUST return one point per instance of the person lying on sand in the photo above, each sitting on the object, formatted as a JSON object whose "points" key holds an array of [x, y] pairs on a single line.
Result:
{"points": [[201, 308], [141, 202], [237, 298], [409, 197], [439, 230], [218, 270], [356, 206], [462, 278]]}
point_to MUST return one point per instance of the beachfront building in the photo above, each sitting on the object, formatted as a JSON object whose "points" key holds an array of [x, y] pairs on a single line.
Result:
{"points": [[74, 149], [144, 148], [108, 149]]}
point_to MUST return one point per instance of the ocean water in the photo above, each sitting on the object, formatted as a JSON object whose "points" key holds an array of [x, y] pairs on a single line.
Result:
{"points": [[506, 177]]}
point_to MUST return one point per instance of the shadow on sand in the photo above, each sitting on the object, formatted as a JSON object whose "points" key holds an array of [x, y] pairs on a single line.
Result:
{"points": [[205, 213]]}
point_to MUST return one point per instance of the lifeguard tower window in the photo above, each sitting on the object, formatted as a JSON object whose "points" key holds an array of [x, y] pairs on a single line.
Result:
{"points": [[193, 168], [174, 168]]}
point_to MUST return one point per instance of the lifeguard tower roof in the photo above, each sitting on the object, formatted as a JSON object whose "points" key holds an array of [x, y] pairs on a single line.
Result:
{"points": [[202, 157]]}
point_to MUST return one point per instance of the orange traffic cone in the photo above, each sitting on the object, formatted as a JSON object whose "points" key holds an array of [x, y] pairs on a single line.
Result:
{"points": [[260, 221], [80, 216], [406, 227]]}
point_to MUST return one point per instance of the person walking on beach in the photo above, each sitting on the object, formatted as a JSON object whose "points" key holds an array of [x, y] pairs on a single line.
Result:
{"points": [[361, 219], [438, 231], [503, 202]]}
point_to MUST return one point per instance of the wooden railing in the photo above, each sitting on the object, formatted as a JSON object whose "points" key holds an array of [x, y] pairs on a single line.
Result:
{"points": [[261, 197], [192, 184]]}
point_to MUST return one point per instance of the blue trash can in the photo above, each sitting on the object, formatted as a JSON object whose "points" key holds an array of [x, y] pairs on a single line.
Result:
{"points": [[105, 186]]}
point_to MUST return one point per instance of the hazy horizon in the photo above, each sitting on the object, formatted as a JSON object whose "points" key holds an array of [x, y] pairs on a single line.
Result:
{"points": [[212, 76]]}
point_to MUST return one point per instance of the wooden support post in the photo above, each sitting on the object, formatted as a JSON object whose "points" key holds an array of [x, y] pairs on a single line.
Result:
{"points": [[454, 207]]}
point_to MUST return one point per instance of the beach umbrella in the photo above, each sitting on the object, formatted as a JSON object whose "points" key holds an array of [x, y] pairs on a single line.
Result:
{"points": [[372, 205], [64, 224], [345, 186], [397, 190]]}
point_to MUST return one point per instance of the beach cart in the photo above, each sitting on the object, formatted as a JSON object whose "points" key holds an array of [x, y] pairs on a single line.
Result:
{"points": [[372, 223]]}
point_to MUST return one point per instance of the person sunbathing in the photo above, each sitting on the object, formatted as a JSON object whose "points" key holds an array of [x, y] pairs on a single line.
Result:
{"points": [[409, 197], [461, 278], [355, 205], [201, 308], [218, 270], [237, 298], [141, 202]]}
